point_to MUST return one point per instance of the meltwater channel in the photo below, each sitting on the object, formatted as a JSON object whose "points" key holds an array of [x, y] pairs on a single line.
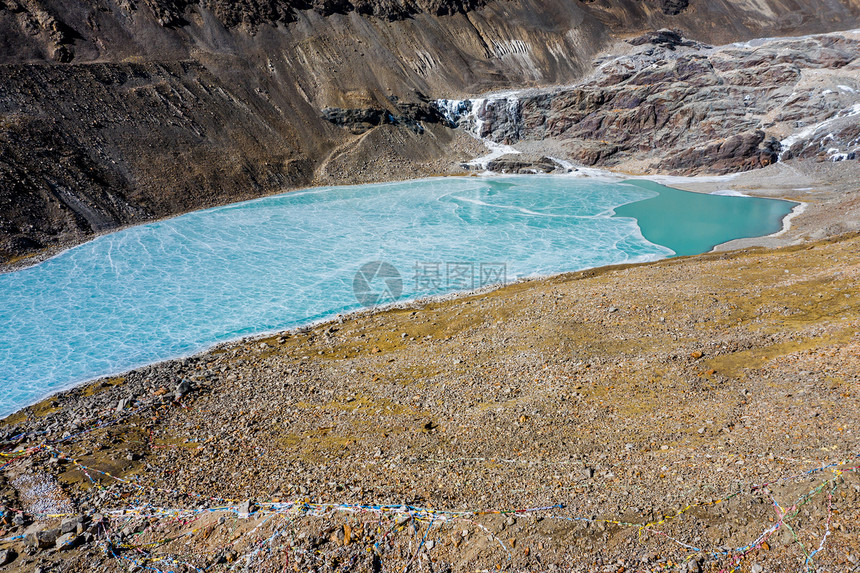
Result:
{"points": [[177, 286]]}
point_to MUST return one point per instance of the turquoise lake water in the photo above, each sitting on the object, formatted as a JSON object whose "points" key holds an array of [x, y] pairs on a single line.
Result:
{"points": [[174, 287]]}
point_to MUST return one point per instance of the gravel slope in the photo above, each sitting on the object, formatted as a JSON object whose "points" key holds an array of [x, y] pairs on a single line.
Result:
{"points": [[655, 412]]}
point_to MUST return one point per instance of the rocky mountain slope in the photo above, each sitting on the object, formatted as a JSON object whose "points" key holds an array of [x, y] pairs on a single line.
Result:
{"points": [[119, 112], [678, 106]]}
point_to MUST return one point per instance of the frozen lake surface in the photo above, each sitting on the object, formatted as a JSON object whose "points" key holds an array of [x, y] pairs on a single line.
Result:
{"points": [[174, 287]]}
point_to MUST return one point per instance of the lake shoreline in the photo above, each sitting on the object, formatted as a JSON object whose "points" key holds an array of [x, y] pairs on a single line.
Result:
{"points": [[356, 370], [694, 414], [185, 263], [794, 231]]}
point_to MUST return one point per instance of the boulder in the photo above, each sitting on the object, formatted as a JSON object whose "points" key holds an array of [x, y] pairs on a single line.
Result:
{"points": [[42, 539]]}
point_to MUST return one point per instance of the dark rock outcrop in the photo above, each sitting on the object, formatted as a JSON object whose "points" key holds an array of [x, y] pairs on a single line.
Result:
{"points": [[665, 38], [673, 7], [524, 164], [411, 115]]}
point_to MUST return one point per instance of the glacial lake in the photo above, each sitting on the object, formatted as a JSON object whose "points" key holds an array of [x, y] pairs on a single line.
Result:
{"points": [[175, 287]]}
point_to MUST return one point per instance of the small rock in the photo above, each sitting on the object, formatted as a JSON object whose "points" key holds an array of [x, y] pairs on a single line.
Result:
{"points": [[182, 389], [67, 541], [7, 556], [338, 537], [612, 309], [72, 525], [246, 508]]}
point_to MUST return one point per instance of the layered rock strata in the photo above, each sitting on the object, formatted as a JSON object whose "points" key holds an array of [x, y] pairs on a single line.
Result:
{"points": [[678, 106]]}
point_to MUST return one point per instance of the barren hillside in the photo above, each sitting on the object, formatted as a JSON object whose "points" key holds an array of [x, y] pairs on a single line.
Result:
{"points": [[119, 112]]}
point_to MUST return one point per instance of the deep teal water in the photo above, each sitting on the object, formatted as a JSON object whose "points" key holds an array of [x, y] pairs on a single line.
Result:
{"points": [[174, 287], [693, 223]]}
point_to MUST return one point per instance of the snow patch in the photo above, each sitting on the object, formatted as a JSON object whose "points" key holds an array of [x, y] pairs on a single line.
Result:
{"points": [[813, 129], [728, 193], [496, 150]]}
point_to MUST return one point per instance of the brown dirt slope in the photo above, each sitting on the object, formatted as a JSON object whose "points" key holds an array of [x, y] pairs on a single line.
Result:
{"points": [[663, 416]]}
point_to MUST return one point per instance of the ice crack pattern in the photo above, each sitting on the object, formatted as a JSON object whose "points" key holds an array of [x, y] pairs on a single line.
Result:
{"points": [[178, 286]]}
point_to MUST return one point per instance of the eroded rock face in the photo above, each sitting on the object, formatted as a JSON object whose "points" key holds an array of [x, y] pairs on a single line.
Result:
{"points": [[683, 107], [192, 104], [86, 149], [224, 101], [253, 13], [740, 152]]}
